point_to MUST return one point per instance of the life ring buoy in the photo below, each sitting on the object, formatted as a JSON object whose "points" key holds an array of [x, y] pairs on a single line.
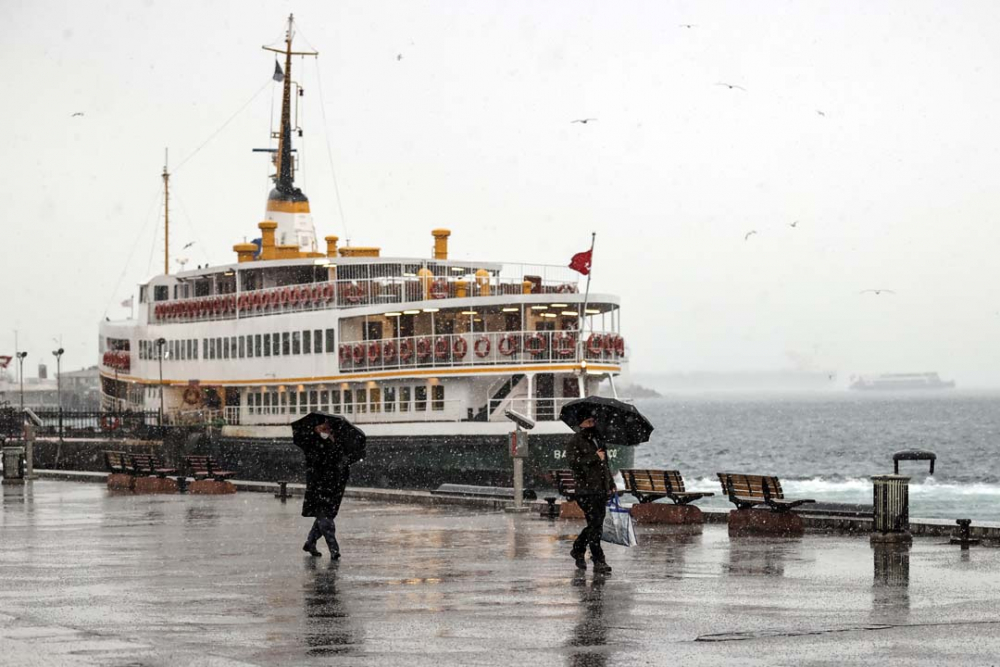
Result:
{"points": [[283, 296], [328, 292], [459, 348], [405, 350], [294, 296], [620, 346], [610, 345], [439, 289], [192, 396], [564, 345], [441, 348], [535, 344], [358, 353], [423, 349], [230, 303], [482, 346], [110, 423], [353, 293], [507, 345], [374, 351], [595, 344], [316, 294], [388, 351], [565, 288], [345, 354]]}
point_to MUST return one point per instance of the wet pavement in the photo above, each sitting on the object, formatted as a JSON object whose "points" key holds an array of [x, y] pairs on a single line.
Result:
{"points": [[87, 578]]}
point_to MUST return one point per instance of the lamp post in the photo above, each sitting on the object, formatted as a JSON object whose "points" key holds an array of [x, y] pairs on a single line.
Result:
{"points": [[58, 355], [20, 374], [160, 342]]}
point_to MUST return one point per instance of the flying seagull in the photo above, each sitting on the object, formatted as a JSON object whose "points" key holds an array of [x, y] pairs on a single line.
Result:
{"points": [[399, 56], [749, 234], [876, 291], [188, 245], [687, 25], [731, 86], [794, 224], [821, 113], [582, 120], [78, 113]]}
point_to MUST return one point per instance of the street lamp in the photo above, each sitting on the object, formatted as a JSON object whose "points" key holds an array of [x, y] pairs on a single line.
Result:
{"points": [[20, 374], [160, 342], [58, 355]]}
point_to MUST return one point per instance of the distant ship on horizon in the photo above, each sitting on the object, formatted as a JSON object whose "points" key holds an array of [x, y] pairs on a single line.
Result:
{"points": [[900, 382]]}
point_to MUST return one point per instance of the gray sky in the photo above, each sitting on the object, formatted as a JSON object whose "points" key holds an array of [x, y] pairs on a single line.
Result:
{"points": [[894, 187]]}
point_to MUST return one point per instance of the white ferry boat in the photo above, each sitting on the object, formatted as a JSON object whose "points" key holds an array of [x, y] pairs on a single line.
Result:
{"points": [[425, 354]]}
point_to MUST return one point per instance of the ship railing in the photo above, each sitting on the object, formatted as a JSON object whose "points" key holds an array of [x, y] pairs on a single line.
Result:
{"points": [[371, 287], [539, 409], [481, 349], [96, 423], [378, 407]]}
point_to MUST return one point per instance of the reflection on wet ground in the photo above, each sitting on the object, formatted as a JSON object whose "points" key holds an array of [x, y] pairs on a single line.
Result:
{"points": [[91, 579]]}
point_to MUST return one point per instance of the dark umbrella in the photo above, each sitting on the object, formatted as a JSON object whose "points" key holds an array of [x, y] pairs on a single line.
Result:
{"points": [[617, 423], [346, 434]]}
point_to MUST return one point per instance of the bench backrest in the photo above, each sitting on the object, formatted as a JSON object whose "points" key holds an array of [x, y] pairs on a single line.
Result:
{"points": [[751, 486], [653, 481], [199, 463], [142, 462], [565, 483], [116, 461]]}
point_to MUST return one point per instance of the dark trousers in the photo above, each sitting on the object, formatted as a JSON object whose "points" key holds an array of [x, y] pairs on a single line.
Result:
{"points": [[325, 527], [594, 508]]}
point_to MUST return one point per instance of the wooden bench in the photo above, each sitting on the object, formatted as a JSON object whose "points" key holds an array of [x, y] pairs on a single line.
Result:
{"points": [[117, 463], [205, 467], [565, 483], [650, 485], [145, 464], [749, 491]]}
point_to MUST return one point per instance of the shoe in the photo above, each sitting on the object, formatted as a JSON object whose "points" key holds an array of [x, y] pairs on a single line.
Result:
{"points": [[581, 563], [334, 555], [602, 568], [311, 549]]}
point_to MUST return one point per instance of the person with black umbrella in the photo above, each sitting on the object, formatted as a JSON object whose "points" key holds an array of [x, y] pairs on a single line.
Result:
{"points": [[588, 459], [331, 445]]}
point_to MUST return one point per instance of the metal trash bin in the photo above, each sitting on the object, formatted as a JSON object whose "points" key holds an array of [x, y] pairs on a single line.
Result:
{"points": [[891, 508], [13, 464]]}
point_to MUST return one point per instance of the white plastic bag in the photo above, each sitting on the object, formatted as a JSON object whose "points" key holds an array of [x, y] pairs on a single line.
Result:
{"points": [[619, 527]]}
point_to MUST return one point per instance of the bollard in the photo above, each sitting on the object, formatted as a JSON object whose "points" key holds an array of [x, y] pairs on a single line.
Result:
{"points": [[550, 510], [182, 484], [891, 509], [282, 491], [13, 465], [964, 537]]}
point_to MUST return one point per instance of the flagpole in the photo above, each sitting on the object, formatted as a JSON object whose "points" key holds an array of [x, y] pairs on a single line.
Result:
{"points": [[586, 296]]}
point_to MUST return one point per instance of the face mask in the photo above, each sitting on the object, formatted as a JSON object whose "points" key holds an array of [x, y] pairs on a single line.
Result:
{"points": [[325, 436]]}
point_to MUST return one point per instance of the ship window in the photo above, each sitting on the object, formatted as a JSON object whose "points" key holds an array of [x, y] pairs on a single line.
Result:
{"points": [[318, 341], [194, 348], [360, 400], [142, 294], [293, 400], [221, 351], [225, 348], [296, 342], [232, 346], [347, 402], [267, 403], [335, 401], [420, 399], [286, 347], [267, 345], [375, 396], [303, 403], [313, 397], [404, 399], [161, 293], [142, 349], [274, 400], [390, 399], [243, 348], [204, 348], [306, 342], [276, 339], [324, 400], [211, 349], [329, 342], [256, 345], [284, 402], [437, 393], [181, 350]]}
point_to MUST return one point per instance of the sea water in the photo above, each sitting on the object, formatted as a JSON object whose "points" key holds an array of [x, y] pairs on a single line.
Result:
{"points": [[826, 446]]}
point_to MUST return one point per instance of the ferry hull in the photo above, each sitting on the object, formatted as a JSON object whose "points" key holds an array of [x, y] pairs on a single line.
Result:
{"points": [[418, 462]]}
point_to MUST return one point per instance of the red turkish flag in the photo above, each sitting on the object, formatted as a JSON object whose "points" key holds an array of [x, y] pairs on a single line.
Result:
{"points": [[581, 262]]}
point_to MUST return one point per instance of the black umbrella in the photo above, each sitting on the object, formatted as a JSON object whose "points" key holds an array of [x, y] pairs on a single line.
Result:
{"points": [[344, 433], [617, 423]]}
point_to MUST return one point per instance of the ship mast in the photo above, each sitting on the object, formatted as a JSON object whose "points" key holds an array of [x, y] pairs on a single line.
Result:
{"points": [[166, 215]]}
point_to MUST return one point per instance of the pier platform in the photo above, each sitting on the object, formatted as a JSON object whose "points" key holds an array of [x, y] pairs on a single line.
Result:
{"points": [[92, 578]]}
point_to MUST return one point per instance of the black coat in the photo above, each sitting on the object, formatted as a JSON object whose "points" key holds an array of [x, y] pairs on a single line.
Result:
{"points": [[592, 475], [327, 472]]}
